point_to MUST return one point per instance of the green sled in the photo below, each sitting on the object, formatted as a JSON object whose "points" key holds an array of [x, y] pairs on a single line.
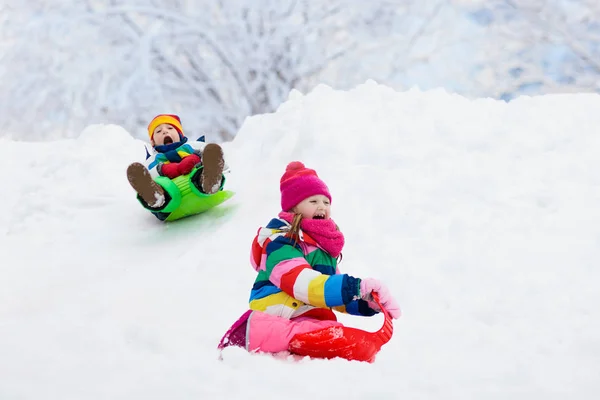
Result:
{"points": [[184, 198]]}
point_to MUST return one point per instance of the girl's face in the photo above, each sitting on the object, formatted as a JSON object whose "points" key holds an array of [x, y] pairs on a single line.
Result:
{"points": [[165, 134], [314, 207]]}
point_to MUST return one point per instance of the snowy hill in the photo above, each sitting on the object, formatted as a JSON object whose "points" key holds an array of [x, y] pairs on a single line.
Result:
{"points": [[483, 217]]}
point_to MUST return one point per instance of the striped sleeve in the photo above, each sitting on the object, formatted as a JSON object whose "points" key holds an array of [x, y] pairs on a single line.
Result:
{"points": [[151, 163], [289, 271]]}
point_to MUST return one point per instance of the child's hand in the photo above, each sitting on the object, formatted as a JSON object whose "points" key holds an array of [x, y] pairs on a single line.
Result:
{"points": [[186, 165], [169, 170], [388, 302]]}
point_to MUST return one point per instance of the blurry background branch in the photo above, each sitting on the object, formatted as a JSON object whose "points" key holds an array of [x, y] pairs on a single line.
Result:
{"points": [[541, 46], [69, 64]]}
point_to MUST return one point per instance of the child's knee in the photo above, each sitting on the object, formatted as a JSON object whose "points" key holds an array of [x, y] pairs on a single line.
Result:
{"points": [[272, 334]]}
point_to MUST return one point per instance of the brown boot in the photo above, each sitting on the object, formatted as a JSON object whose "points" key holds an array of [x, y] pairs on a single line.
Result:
{"points": [[212, 173], [151, 192]]}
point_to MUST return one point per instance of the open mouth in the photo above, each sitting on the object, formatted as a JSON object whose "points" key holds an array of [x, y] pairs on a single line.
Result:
{"points": [[319, 216], [168, 140]]}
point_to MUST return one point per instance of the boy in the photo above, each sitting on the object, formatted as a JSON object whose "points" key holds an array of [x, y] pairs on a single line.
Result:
{"points": [[174, 156]]}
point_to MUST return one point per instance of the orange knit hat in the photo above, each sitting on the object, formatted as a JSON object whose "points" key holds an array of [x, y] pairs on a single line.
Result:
{"points": [[170, 119]]}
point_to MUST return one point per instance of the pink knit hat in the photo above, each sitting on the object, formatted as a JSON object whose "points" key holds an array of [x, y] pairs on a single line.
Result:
{"points": [[298, 183]]}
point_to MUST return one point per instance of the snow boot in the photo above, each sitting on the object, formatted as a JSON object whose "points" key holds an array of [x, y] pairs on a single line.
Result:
{"points": [[212, 171], [148, 190]]}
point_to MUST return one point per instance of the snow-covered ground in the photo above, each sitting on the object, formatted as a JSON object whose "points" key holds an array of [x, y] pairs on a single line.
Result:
{"points": [[483, 218]]}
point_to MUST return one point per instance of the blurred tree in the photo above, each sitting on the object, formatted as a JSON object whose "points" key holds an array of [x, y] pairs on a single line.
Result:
{"points": [[213, 62], [64, 65], [406, 43], [538, 46]]}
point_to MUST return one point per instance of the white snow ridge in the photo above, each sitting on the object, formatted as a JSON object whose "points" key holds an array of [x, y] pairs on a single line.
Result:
{"points": [[483, 218]]}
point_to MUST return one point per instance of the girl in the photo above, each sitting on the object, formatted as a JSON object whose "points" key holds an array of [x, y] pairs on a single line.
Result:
{"points": [[298, 282]]}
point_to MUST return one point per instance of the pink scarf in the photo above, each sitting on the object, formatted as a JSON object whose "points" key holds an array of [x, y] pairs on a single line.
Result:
{"points": [[323, 231]]}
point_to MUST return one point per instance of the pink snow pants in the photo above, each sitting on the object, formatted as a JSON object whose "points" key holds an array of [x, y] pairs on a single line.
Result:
{"points": [[272, 334]]}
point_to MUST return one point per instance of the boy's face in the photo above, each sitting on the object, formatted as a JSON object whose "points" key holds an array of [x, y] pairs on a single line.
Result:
{"points": [[314, 207], [164, 134]]}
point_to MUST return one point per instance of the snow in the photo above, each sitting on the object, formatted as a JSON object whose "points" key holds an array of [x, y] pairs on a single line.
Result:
{"points": [[160, 200], [481, 216]]}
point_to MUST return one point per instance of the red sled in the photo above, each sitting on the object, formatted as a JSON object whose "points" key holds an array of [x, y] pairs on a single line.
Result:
{"points": [[344, 342]]}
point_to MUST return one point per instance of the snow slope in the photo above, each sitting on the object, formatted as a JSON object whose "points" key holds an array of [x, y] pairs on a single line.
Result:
{"points": [[483, 217]]}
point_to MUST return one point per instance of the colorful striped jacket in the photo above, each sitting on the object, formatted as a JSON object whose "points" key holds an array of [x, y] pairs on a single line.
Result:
{"points": [[179, 150], [174, 153], [296, 278]]}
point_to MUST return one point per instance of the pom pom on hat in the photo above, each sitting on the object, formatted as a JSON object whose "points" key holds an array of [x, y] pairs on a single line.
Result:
{"points": [[298, 183], [160, 119]]}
